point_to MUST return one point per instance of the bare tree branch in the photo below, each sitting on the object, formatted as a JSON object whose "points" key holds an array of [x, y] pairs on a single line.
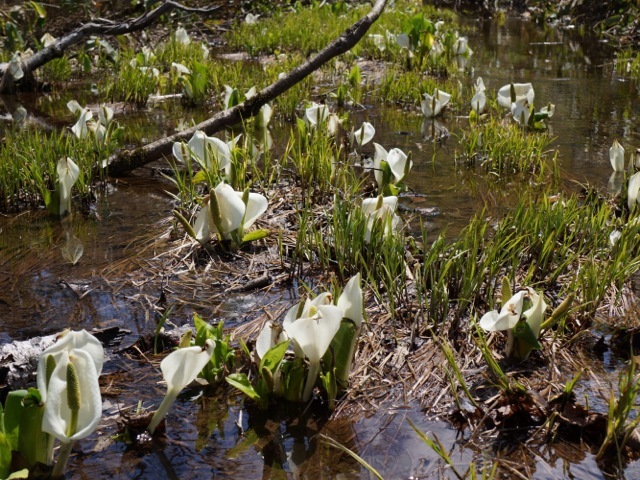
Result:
{"points": [[128, 160], [100, 27]]}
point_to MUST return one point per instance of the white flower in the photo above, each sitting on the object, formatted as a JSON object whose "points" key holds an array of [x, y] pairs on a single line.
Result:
{"points": [[432, 105], [521, 90], [364, 134], [181, 69], [633, 189], [379, 41], [395, 158], [380, 211], [68, 174], [210, 152], [182, 36], [179, 369], [316, 114], [251, 19], [616, 156]]}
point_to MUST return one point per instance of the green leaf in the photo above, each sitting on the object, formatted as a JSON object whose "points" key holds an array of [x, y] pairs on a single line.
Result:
{"points": [[330, 386], [242, 383], [39, 9], [5, 456], [342, 349], [274, 356], [255, 235], [200, 177], [12, 412]]}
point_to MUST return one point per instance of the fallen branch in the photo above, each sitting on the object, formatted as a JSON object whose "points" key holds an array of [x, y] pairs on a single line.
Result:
{"points": [[128, 160], [100, 27]]}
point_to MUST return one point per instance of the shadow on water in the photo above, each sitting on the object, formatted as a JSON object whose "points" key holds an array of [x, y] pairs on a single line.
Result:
{"points": [[211, 434]]}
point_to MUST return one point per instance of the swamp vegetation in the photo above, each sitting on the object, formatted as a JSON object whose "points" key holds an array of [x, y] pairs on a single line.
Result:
{"points": [[410, 263]]}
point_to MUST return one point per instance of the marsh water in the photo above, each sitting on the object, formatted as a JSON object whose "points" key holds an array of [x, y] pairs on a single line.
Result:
{"points": [[210, 435]]}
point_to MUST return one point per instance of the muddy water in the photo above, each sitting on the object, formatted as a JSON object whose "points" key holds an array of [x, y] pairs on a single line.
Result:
{"points": [[213, 435]]}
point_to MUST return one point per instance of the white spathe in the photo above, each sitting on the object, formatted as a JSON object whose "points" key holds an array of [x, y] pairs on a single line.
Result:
{"points": [[312, 335], [432, 105], [57, 418], [380, 210], [316, 114], [633, 189], [179, 369], [616, 156], [182, 36], [395, 158], [521, 111], [522, 90], [202, 148], [350, 301], [69, 341], [68, 174], [364, 134], [508, 317], [81, 129]]}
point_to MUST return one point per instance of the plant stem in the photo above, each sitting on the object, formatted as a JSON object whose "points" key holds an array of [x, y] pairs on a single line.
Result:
{"points": [[312, 376], [63, 456], [164, 407]]}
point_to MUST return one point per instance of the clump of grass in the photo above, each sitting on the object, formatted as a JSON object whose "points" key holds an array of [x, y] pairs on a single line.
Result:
{"points": [[282, 32], [628, 63], [505, 148], [407, 87], [28, 162]]}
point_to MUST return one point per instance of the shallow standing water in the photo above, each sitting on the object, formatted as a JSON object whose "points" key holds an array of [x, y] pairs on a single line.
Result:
{"points": [[215, 436]]}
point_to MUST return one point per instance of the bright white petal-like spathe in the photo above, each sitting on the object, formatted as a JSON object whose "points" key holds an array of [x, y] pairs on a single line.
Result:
{"points": [[479, 102], [364, 134], [508, 317], [271, 335], [81, 129], [616, 156], [316, 114], [105, 115], [614, 237], [69, 340], [521, 111], [74, 107], [379, 155], [313, 335], [461, 47], [479, 85], [256, 205], [47, 40], [232, 208], [179, 369], [202, 224], [633, 189], [57, 417], [68, 174], [535, 314], [251, 18], [264, 116], [182, 36], [371, 205], [180, 68], [181, 152], [350, 301], [522, 91], [182, 366], [397, 161], [432, 105]]}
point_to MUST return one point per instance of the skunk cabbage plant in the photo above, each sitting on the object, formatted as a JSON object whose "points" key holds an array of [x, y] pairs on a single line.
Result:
{"points": [[432, 105], [229, 213], [68, 174], [616, 156], [523, 327], [67, 380], [381, 216], [364, 134], [390, 169], [513, 92], [179, 369]]}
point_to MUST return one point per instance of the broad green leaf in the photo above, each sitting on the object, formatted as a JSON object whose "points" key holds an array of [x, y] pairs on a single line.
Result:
{"points": [[242, 383], [274, 356]]}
